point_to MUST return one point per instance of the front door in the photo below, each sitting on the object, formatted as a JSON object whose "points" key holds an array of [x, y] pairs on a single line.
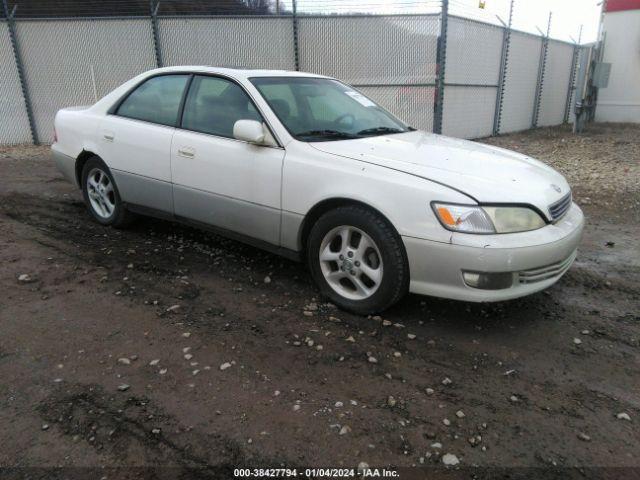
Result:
{"points": [[217, 179]]}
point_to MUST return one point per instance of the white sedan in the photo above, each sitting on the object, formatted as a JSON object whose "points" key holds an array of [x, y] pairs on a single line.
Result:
{"points": [[310, 168]]}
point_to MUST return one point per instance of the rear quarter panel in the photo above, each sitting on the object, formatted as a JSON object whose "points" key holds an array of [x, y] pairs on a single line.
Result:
{"points": [[76, 129]]}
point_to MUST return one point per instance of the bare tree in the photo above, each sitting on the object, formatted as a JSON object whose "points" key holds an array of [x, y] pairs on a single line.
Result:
{"points": [[259, 6]]}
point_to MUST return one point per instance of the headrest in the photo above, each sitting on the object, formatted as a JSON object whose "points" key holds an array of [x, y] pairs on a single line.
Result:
{"points": [[281, 107]]}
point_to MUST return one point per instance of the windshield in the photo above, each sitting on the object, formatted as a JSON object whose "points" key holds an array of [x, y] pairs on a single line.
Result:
{"points": [[321, 109]]}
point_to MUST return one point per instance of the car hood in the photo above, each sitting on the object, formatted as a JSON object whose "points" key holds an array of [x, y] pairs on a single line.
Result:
{"points": [[485, 173]]}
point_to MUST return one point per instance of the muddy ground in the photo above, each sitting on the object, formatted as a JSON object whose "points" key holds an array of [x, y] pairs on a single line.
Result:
{"points": [[158, 310]]}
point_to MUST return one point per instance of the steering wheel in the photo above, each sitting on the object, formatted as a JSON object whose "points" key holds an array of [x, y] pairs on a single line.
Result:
{"points": [[344, 116]]}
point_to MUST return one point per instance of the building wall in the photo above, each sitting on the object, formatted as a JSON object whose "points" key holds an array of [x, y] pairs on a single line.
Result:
{"points": [[620, 101]]}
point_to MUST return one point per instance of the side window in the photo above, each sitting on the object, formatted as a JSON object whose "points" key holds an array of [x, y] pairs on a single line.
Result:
{"points": [[157, 100], [214, 105]]}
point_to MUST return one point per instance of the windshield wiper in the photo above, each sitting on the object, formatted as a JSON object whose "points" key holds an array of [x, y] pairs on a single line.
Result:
{"points": [[327, 134], [380, 130]]}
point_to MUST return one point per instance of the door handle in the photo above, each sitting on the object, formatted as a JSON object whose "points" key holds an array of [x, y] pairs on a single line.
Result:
{"points": [[108, 136], [186, 152]]}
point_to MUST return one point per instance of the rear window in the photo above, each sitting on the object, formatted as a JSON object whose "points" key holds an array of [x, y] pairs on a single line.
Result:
{"points": [[157, 100]]}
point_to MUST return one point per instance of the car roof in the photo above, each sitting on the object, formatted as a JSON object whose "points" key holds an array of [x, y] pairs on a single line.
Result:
{"points": [[238, 72]]}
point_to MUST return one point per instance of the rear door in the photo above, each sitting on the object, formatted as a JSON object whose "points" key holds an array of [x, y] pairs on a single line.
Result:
{"points": [[136, 141], [217, 179]]}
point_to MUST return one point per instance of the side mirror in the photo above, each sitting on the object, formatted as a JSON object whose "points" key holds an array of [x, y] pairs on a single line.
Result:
{"points": [[249, 130]]}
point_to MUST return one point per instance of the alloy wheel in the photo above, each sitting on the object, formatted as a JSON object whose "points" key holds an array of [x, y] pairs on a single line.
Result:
{"points": [[101, 194], [351, 262]]}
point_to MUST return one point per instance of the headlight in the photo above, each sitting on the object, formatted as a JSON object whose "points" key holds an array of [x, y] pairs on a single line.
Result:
{"points": [[474, 219], [514, 219]]}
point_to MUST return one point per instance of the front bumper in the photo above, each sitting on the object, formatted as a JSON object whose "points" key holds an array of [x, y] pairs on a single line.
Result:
{"points": [[537, 260]]}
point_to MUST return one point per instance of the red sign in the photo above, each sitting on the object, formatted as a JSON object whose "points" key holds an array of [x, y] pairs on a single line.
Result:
{"points": [[622, 5]]}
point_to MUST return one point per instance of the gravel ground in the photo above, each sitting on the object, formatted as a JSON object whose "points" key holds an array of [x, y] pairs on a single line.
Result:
{"points": [[164, 346]]}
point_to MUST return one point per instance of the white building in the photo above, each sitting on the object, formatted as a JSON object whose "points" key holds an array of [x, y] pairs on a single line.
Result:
{"points": [[620, 101]]}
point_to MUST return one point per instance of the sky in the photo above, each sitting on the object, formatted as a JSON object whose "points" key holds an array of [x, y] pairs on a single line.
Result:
{"points": [[567, 16]]}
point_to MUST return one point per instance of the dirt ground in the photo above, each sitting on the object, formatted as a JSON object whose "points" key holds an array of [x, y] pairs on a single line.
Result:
{"points": [[167, 347]]}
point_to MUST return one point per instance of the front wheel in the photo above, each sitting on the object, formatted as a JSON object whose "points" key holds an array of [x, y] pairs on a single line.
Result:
{"points": [[358, 260]]}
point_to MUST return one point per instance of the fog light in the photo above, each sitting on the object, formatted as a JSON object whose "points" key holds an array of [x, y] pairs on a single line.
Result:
{"points": [[488, 281]]}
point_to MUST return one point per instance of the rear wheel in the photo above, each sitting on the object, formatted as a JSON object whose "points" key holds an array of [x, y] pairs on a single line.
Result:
{"points": [[101, 195], [358, 260]]}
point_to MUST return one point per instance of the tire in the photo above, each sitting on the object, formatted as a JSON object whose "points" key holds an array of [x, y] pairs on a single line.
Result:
{"points": [[371, 280], [101, 196]]}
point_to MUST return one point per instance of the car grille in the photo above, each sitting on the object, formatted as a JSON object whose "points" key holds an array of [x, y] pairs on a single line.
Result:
{"points": [[559, 208], [549, 271]]}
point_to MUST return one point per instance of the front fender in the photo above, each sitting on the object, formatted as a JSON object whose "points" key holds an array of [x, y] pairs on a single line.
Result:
{"points": [[311, 177]]}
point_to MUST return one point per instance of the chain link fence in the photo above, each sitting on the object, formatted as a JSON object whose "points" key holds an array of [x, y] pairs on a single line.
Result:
{"points": [[75, 62], [473, 53], [254, 42], [519, 95], [554, 85], [460, 77], [390, 58], [14, 123]]}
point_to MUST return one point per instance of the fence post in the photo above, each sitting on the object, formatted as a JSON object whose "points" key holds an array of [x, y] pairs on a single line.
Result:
{"points": [[154, 30], [504, 58], [18, 59], [541, 67], [572, 76], [296, 53], [441, 57]]}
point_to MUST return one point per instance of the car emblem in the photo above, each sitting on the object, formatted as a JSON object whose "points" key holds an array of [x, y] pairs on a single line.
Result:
{"points": [[556, 187]]}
